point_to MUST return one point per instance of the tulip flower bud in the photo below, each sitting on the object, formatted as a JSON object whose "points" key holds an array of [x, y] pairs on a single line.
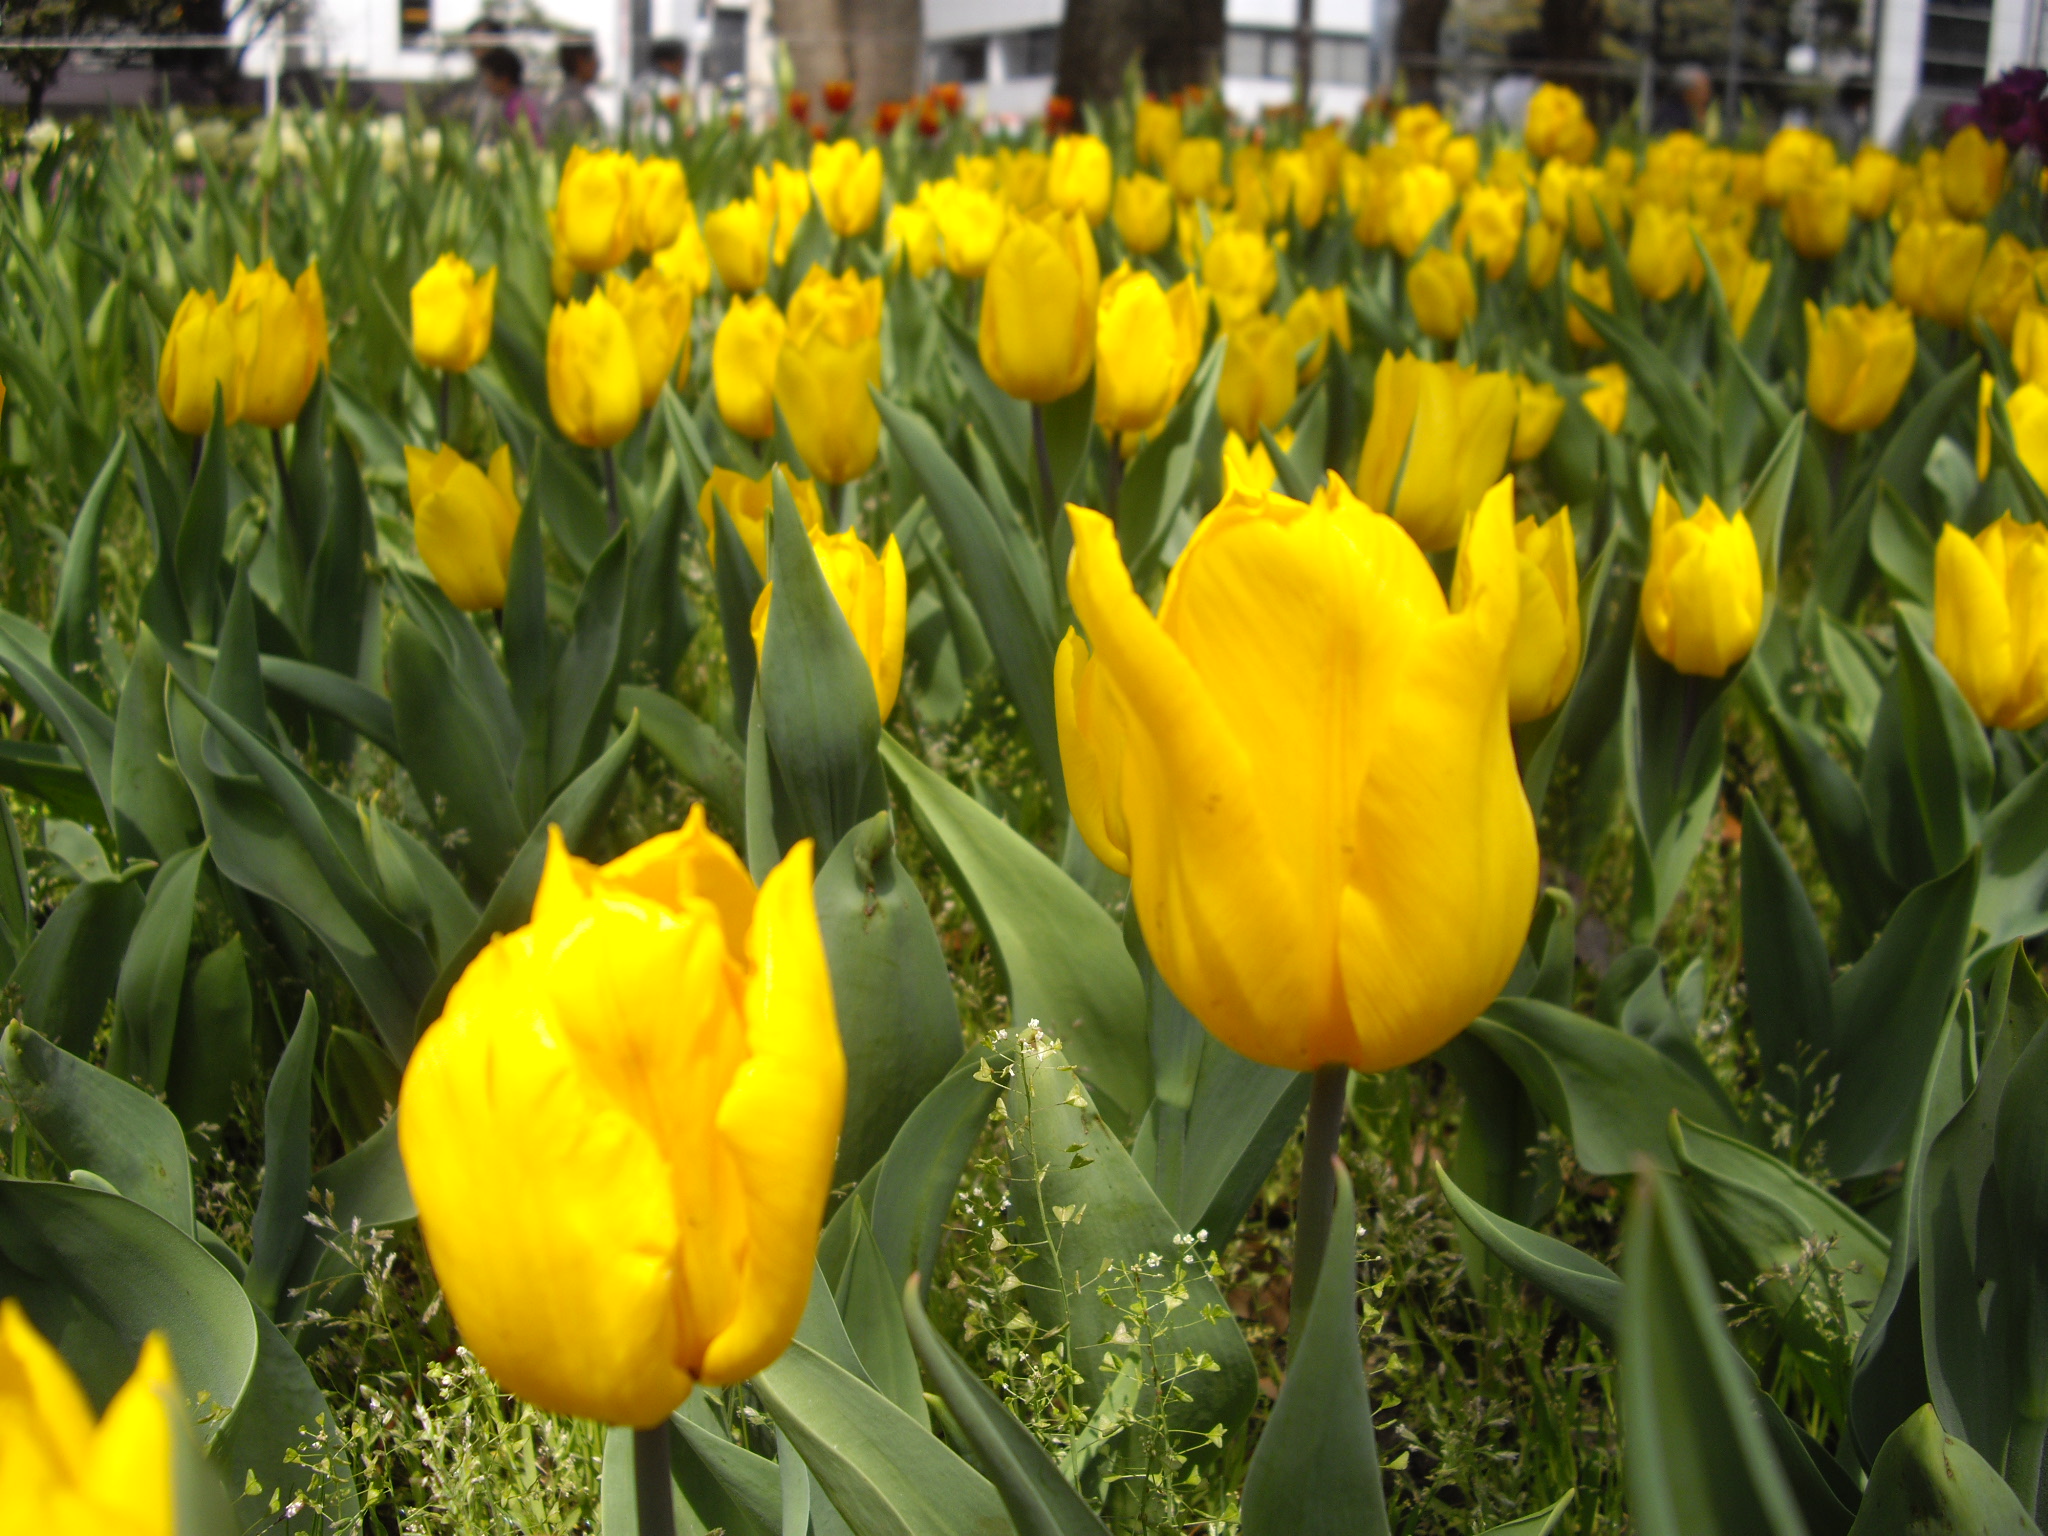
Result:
{"points": [[1247, 466], [1557, 125], [1546, 246], [1543, 662], [1313, 318], [1195, 170], [198, 358], [1934, 266], [1817, 214], [1460, 161], [1021, 178], [1441, 293], [1596, 286], [1240, 273], [745, 355], [593, 373], [1703, 597], [831, 353], [451, 315], [677, 1030], [1038, 308], [2030, 344], [685, 258], [1078, 179], [1444, 432], [869, 589], [1991, 620], [1158, 133], [747, 503], [66, 1473], [971, 223], [280, 340], [1489, 227], [784, 196], [2003, 283], [660, 199], [1793, 157], [594, 205], [1872, 178], [1258, 382], [1857, 362], [656, 310], [1140, 350], [848, 182], [463, 523], [1661, 255], [1419, 198], [1304, 185], [1973, 173], [1316, 884], [1606, 400], [1252, 201], [2026, 409], [737, 237], [1538, 409], [1142, 210]]}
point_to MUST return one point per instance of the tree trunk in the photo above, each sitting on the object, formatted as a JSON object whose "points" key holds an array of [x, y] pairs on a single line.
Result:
{"points": [[873, 43], [1422, 23], [1177, 43], [1572, 33]]}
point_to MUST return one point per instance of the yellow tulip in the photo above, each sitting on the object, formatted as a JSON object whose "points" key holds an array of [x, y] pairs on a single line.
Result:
{"points": [[451, 315], [685, 258], [677, 1030], [659, 195], [1421, 133], [1793, 157], [593, 373], [1142, 211], [1441, 293], [912, 237], [1509, 170], [561, 274], [2030, 344], [784, 193], [1140, 347], [62, 1473], [1318, 881], [1195, 169], [1984, 392], [463, 523], [1460, 161], [198, 358], [1021, 178], [1577, 198], [1538, 409], [977, 171], [1973, 173], [1313, 318], [594, 205], [1247, 466], [831, 353], [1365, 179], [1419, 198], [1240, 273], [1743, 284], [971, 224], [747, 502], [869, 589], [1857, 362], [1596, 286], [848, 181], [2003, 283], [1038, 308], [1606, 400], [1557, 125], [1703, 596], [1669, 166], [745, 355], [1253, 203], [1158, 133], [2026, 408], [656, 310], [1490, 227], [1661, 255], [280, 340], [1306, 183], [1991, 619], [1934, 266], [1444, 432], [1546, 246], [1543, 662], [1816, 214], [1258, 383], [1078, 179], [737, 237], [1872, 178]]}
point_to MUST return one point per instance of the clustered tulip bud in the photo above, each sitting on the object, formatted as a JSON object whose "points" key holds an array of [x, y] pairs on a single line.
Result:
{"points": [[1703, 596], [451, 315], [869, 589], [1991, 619]]}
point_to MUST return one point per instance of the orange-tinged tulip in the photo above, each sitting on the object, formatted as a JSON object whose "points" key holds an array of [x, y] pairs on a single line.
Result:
{"points": [[1303, 764], [1703, 596], [747, 502], [198, 358], [676, 1030], [745, 355], [1991, 619], [848, 181], [1443, 432], [280, 340], [1258, 383], [1857, 362], [463, 523], [593, 373], [1037, 337], [594, 208], [830, 355], [869, 589], [451, 315]]}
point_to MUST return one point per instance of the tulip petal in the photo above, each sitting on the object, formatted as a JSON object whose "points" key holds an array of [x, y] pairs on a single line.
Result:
{"points": [[129, 1473], [690, 863], [1091, 752], [1972, 625], [35, 1375]]}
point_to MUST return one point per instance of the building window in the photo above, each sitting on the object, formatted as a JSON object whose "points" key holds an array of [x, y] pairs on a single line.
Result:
{"points": [[962, 61], [1957, 39], [1264, 54], [1031, 55], [726, 54], [415, 21], [1342, 61]]}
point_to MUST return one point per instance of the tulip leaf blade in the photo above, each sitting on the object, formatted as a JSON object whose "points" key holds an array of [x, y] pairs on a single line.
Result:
{"points": [[74, 639], [913, 1185], [1162, 475], [1316, 1471], [737, 585], [1902, 548], [695, 750], [363, 710], [1785, 967], [1583, 1286], [202, 532], [1927, 1481], [727, 1487], [2012, 895], [1545, 1522], [1294, 481], [1041, 1502], [1770, 495], [65, 981], [279, 1229], [586, 673], [79, 723], [1689, 433], [1008, 420], [885, 1474], [92, 1119], [1698, 1461], [1946, 754], [1063, 957], [569, 500], [1672, 744], [152, 972]]}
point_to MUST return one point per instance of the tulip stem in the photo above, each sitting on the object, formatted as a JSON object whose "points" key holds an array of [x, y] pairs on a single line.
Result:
{"points": [[611, 492], [1316, 1198], [1113, 479], [447, 379], [1044, 453], [655, 1504], [284, 479]]}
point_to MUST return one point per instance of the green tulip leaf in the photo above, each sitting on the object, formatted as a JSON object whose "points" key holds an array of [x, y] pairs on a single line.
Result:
{"points": [[363, 710], [1927, 1483], [570, 500], [738, 587], [151, 984], [283, 1442], [1164, 472], [2012, 895], [1584, 1287], [727, 1487], [74, 637], [1063, 960], [279, 1228], [1902, 548], [1008, 420], [1671, 755], [868, 1303], [1947, 758], [1545, 1522], [696, 751], [65, 979], [1689, 433], [92, 1119], [913, 1185], [1785, 967], [154, 815], [586, 674], [202, 533], [215, 1050], [80, 724]]}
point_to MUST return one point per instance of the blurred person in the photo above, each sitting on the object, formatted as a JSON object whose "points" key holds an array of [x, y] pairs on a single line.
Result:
{"points": [[1690, 106], [506, 100], [570, 115], [659, 92], [468, 101]]}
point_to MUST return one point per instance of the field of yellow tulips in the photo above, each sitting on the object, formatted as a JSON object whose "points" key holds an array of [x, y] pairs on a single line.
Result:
{"points": [[1150, 824]]}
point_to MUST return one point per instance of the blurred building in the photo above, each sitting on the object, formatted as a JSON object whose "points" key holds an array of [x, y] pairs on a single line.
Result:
{"points": [[1932, 53]]}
